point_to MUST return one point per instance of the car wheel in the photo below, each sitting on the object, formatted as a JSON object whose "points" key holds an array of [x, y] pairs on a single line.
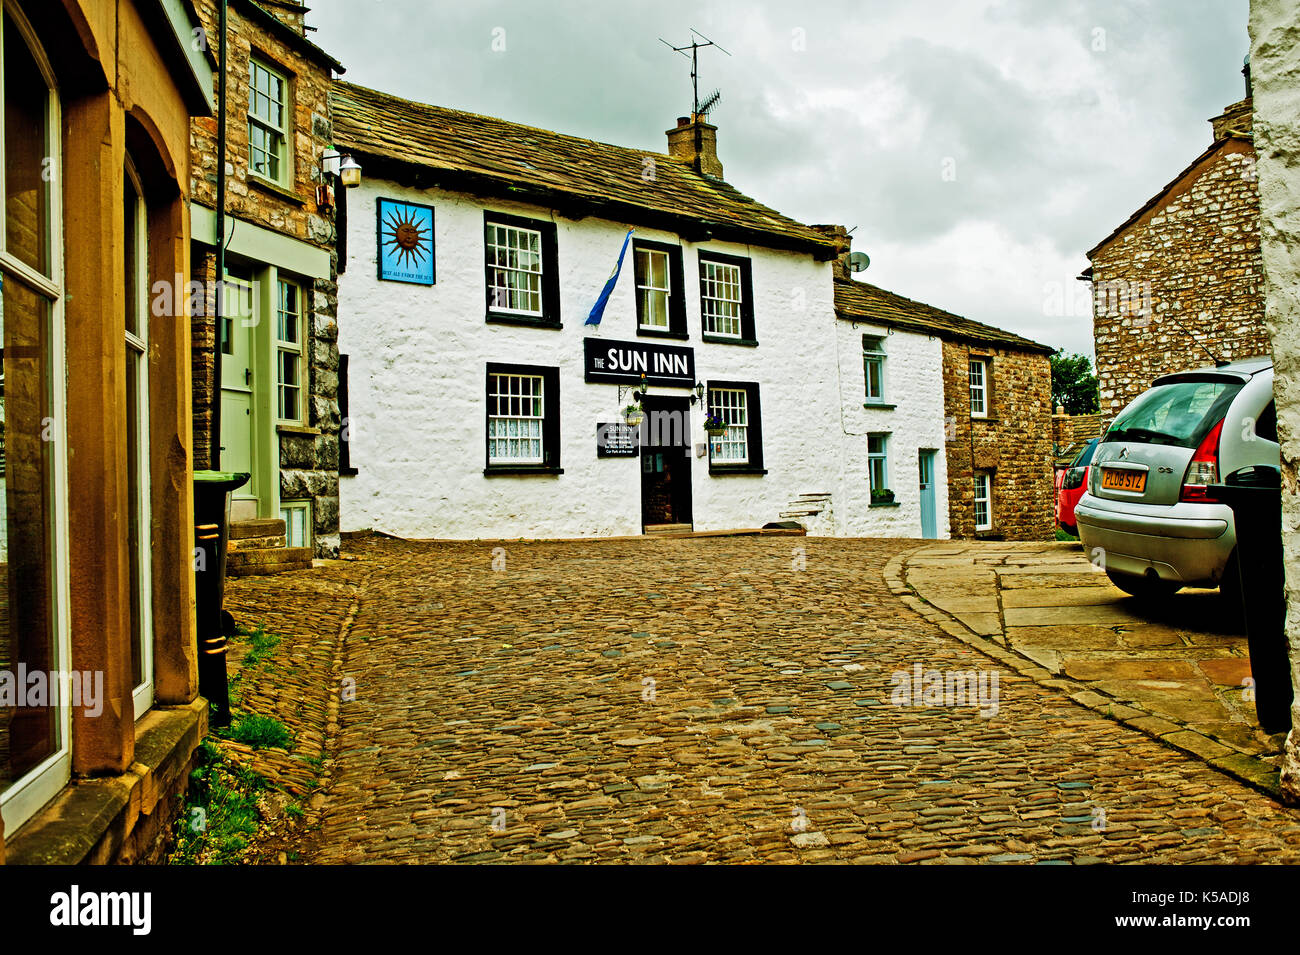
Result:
{"points": [[1147, 587]]}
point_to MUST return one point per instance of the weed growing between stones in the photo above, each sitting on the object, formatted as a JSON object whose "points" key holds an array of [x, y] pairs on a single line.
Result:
{"points": [[259, 732], [221, 813]]}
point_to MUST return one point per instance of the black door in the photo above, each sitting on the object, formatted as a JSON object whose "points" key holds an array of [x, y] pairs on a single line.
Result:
{"points": [[666, 461]]}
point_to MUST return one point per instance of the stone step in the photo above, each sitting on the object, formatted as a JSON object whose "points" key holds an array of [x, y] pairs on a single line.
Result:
{"points": [[667, 528], [819, 496], [799, 513], [256, 543], [261, 527], [266, 556], [266, 570]]}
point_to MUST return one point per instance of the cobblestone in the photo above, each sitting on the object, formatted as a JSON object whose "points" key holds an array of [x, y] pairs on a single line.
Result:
{"points": [[490, 725]]}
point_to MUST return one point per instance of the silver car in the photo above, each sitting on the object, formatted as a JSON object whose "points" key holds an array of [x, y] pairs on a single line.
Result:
{"points": [[1148, 506]]}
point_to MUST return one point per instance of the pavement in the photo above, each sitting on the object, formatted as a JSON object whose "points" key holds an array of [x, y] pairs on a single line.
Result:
{"points": [[1178, 667], [737, 700]]}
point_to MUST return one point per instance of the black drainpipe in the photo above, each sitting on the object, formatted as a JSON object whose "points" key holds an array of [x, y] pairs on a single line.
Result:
{"points": [[215, 434]]}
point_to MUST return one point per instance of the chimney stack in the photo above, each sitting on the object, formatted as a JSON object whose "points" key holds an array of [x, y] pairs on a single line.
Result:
{"points": [[844, 242], [694, 140]]}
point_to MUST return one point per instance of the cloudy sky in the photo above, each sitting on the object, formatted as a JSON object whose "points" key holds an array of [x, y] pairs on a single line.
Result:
{"points": [[979, 147]]}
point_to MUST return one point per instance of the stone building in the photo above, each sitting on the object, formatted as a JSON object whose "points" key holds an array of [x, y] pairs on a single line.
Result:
{"points": [[99, 706], [276, 406], [1275, 37], [995, 420], [1179, 284], [477, 394]]}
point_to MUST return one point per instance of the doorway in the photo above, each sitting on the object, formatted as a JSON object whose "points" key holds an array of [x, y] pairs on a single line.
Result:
{"points": [[929, 522], [666, 463], [235, 334]]}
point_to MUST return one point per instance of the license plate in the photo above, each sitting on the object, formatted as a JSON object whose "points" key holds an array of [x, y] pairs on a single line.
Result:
{"points": [[1117, 480]]}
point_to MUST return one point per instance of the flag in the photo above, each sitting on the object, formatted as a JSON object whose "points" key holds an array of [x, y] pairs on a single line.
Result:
{"points": [[598, 310]]}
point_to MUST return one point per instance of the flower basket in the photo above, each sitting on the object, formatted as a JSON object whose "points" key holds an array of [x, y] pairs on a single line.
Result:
{"points": [[885, 496], [714, 426], [633, 416]]}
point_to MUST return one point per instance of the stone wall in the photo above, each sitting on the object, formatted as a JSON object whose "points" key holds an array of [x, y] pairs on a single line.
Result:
{"points": [[1189, 270], [309, 456], [1068, 431], [1275, 72], [1014, 442]]}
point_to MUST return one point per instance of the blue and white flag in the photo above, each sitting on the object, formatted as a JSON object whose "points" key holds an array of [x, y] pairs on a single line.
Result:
{"points": [[598, 310]]}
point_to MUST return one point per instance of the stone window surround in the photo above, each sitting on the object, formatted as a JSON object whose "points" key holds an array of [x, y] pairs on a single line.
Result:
{"points": [[286, 178], [983, 477]]}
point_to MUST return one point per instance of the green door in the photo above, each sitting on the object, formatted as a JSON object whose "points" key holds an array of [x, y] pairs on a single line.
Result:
{"points": [[236, 343]]}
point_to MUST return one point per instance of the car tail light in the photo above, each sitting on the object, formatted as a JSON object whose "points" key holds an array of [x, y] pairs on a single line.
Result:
{"points": [[1203, 470], [1074, 478]]}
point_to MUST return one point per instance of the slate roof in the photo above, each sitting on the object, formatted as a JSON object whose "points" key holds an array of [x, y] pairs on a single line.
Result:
{"points": [[428, 145], [863, 302]]}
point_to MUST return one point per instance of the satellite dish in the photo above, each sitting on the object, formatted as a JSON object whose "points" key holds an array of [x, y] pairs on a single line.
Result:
{"points": [[858, 261]]}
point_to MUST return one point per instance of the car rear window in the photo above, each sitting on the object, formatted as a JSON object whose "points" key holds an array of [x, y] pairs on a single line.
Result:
{"points": [[1180, 413], [1084, 457]]}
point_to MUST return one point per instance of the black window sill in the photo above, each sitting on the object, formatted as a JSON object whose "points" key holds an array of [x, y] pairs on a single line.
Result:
{"points": [[521, 470], [715, 340], [348, 472], [989, 535], [661, 333], [879, 405], [884, 504], [716, 470], [275, 189], [500, 318]]}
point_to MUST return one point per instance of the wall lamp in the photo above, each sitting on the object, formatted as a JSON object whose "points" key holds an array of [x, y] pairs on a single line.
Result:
{"points": [[335, 164]]}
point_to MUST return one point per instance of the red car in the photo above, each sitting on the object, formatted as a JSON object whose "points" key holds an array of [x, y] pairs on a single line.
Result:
{"points": [[1071, 482]]}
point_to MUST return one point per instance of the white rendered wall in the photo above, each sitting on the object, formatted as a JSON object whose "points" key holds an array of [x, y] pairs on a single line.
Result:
{"points": [[418, 356], [914, 385]]}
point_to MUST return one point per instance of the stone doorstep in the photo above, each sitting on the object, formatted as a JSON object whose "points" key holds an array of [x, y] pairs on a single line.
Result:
{"points": [[256, 543], [268, 570], [261, 527], [90, 819], [268, 555]]}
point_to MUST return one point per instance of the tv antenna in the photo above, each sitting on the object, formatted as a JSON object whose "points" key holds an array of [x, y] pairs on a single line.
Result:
{"points": [[697, 108]]}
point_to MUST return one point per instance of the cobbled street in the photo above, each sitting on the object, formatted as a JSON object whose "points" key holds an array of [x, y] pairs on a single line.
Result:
{"points": [[722, 700]]}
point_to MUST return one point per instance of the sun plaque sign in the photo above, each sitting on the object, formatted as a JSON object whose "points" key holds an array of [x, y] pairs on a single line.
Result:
{"points": [[405, 242]]}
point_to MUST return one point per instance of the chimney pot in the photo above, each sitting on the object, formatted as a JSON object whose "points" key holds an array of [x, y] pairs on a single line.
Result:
{"points": [[683, 121]]}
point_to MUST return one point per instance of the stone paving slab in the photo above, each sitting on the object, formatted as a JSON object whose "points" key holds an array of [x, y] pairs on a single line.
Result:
{"points": [[712, 700], [1182, 659]]}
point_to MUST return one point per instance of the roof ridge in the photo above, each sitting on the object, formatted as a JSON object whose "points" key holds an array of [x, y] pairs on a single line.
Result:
{"points": [[511, 122]]}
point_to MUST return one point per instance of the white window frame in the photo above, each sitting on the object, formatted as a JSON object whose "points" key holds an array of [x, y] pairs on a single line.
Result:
{"points": [[539, 397], [137, 350], [498, 292], [733, 408], [27, 795], [881, 456], [305, 507], [873, 356], [285, 347], [983, 495], [713, 286], [980, 388], [644, 292], [276, 135]]}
